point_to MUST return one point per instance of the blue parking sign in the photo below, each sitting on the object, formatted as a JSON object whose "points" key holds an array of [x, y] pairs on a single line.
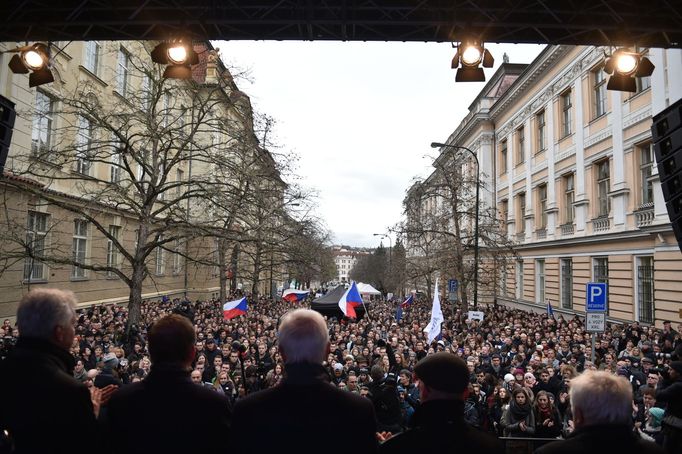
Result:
{"points": [[596, 297], [452, 285]]}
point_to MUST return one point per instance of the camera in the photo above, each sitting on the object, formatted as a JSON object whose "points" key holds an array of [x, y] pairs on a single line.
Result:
{"points": [[391, 379], [663, 355]]}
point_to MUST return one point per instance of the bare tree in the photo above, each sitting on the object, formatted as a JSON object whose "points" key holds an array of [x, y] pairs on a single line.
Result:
{"points": [[157, 161], [440, 214]]}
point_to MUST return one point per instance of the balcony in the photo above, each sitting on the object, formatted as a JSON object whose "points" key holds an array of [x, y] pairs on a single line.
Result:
{"points": [[541, 234], [601, 224], [644, 215], [567, 229]]}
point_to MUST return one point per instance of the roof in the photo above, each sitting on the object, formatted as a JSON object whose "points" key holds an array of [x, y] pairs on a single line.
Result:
{"points": [[655, 23]]}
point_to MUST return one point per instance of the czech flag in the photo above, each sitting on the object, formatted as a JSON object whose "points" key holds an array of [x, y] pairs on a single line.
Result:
{"points": [[408, 302], [294, 296], [350, 300], [235, 308]]}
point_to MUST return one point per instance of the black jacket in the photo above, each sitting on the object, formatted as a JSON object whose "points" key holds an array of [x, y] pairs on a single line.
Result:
{"points": [[670, 393], [304, 414], [42, 402], [600, 439], [168, 413], [439, 427]]}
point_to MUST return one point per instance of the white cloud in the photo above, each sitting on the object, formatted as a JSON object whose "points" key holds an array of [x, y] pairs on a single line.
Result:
{"points": [[361, 117]]}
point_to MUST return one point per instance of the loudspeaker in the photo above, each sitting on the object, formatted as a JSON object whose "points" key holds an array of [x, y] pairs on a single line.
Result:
{"points": [[7, 117], [667, 135]]}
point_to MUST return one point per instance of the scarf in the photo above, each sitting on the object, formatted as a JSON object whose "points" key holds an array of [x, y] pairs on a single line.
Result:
{"points": [[519, 412], [544, 413]]}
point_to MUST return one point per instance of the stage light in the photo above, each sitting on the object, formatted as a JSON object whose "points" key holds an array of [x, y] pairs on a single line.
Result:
{"points": [[624, 65], [35, 59], [179, 55], [468, 59]]}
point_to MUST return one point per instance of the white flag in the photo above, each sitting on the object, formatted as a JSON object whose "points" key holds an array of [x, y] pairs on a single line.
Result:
{"points": [[433, 328]]}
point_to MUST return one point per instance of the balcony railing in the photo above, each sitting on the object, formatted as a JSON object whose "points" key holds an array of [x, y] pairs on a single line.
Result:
{"points": [[644, 215], [601, 224], [541, 234], [567, 229]]}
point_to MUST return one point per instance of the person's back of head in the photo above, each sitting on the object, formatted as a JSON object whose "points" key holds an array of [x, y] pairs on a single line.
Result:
{"points": [[599, 397], [303, 337], [442, 376], [48, 314], [171, 341]]}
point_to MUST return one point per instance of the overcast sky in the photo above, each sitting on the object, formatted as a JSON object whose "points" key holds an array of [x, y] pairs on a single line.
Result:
{"points": [[360, 117]]}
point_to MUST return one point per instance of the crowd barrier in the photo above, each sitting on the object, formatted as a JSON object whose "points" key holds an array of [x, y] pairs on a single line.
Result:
{"points": [[518, 445]]}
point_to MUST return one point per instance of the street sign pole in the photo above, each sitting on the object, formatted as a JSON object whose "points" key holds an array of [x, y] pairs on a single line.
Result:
{"points": [[595, 312]]}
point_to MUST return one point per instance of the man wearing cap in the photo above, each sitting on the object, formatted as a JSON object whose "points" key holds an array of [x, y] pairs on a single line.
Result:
{"points": [[438, 424], [108, 374], [670, 393]]}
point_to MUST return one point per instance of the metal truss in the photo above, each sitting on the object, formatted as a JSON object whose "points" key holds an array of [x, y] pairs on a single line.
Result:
{"points": [[652, 23]]}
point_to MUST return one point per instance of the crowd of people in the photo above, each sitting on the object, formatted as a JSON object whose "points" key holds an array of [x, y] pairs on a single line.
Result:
{"points": [[520, 364]]}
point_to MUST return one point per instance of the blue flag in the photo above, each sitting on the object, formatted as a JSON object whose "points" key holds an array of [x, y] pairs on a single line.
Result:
{"points": [[550, 311], [399, 313]]}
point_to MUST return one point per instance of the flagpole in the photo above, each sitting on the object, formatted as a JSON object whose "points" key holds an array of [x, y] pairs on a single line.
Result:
{"points": [[366, 311]]}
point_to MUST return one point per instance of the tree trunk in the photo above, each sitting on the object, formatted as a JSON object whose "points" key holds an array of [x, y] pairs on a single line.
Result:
{"points": [[234, 262], [135, 299], [223, 268], [256, 272]]}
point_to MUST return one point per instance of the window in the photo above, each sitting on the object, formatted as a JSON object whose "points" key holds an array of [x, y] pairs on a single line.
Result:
{"points": [[645, 289], [520, 143], [43, 128], [123, 74], [80, 243], [504, 214], [112, 249], [566, 113], [542, 206], [177, 257], [84, 145], [91, 62], [599, 94], [601, 272], [36, 242], [541, 127], [160, 266], [519, 279], [646, 162], [146, 92], [569, 199], [179, 177], [603, 186], [522, 212], [503, 157], [540, 280], [567, 283], [115, 169]]}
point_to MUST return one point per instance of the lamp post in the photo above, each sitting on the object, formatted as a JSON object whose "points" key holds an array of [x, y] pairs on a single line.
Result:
{"points": [[478, 186]]}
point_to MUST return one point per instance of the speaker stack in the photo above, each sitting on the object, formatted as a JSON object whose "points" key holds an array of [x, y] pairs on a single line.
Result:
{"points": [[7, 117], [667, 134]]}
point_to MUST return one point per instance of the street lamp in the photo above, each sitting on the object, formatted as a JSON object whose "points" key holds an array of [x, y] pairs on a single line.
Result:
{"points": [[478, 186]]}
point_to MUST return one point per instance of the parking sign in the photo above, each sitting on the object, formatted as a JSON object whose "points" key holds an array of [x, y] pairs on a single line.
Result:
{"points": [[452, 285], [596, 297]]}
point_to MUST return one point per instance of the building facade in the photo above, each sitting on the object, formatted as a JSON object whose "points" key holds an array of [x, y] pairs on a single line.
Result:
{"points": [[76, 186], [345, 259], [572, 173]]}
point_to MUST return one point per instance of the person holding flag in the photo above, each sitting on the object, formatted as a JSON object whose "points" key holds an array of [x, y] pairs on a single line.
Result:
{"points": [[235, 308], [433, 328], [350, 300]]}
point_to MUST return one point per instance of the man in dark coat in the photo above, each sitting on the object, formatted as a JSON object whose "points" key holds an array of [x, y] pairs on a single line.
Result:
{"points": [[602, 413], [670, 393], [166, 410], [438, 423], [42, 402], [304, 414]]}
